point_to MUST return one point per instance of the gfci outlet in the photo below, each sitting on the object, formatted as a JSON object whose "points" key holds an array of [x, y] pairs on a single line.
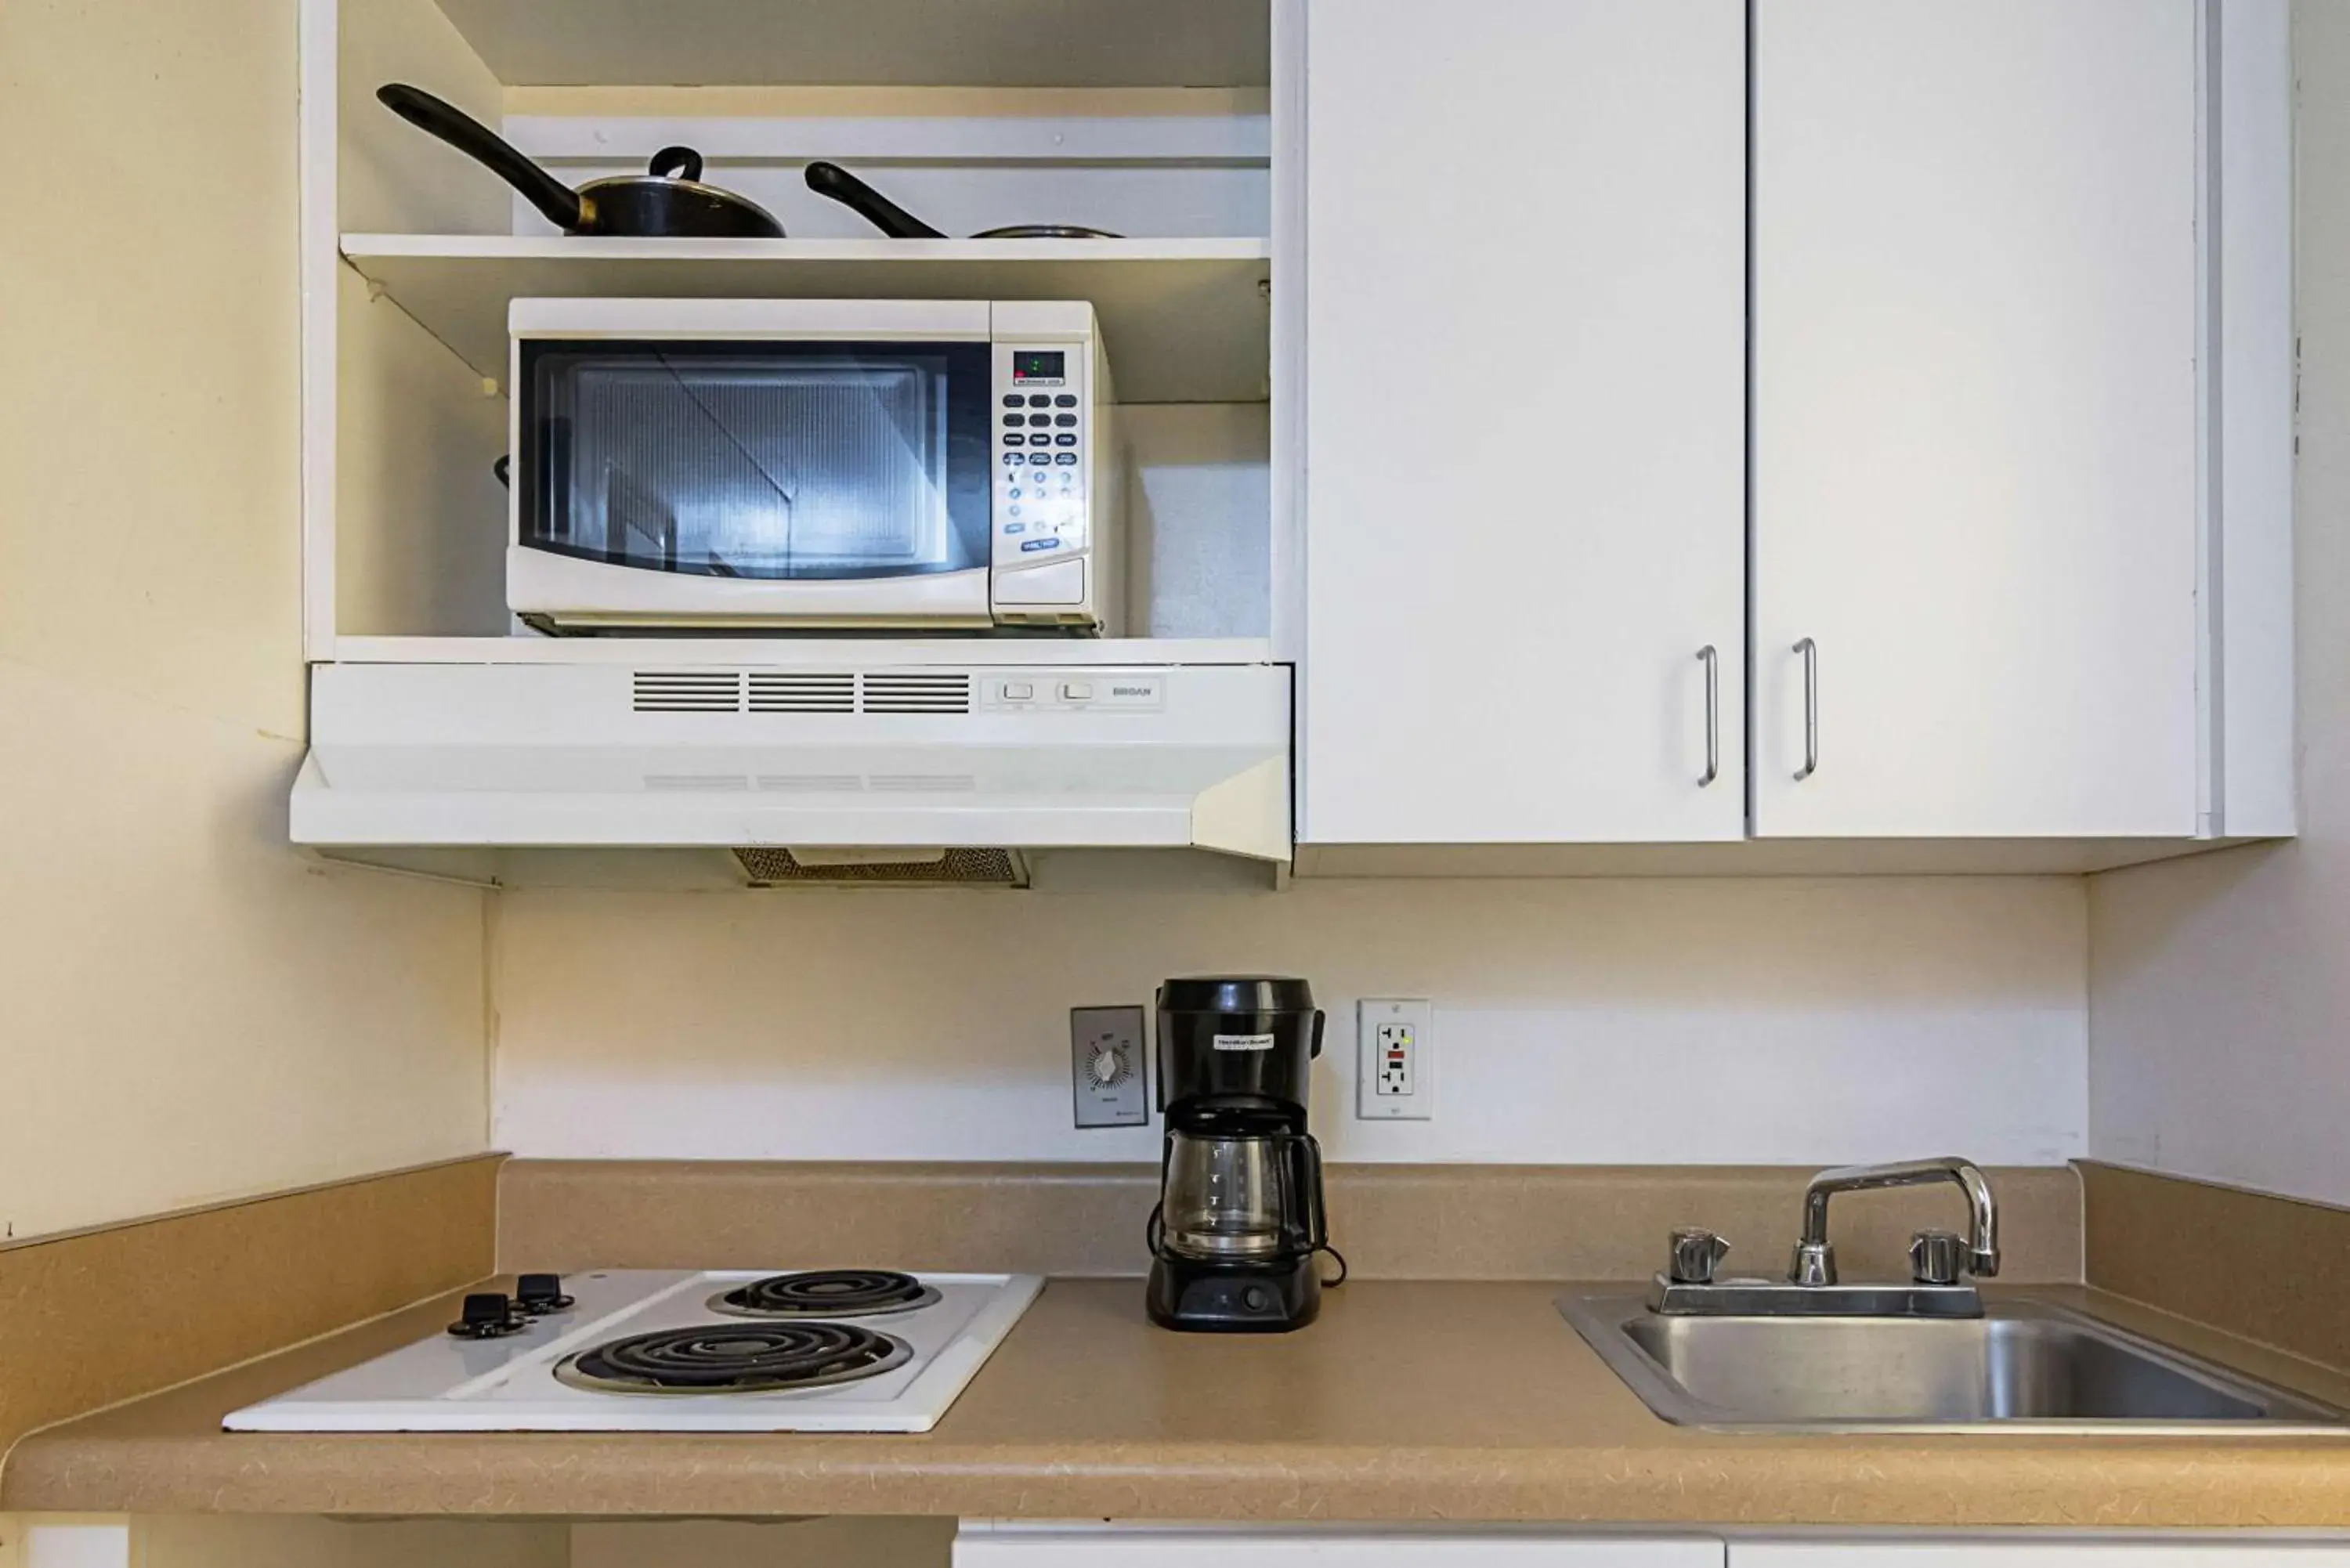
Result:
{"points": [[1392, 1078]]}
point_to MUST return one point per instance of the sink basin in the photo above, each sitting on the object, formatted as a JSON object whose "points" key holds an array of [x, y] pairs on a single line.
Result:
{"points": [[2025, 1364]]}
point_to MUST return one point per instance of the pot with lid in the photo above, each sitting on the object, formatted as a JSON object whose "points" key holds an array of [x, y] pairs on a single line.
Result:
{"points": [[667, 201]]}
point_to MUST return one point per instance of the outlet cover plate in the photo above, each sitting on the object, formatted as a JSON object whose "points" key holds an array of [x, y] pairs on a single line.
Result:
{"points": [[1394, 1077], [1106, 1067]]}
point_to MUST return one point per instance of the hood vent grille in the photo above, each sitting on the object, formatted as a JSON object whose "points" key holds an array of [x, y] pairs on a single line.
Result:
{"points": [[775, 868], [801, 691], [917, 691], [687, 691]]}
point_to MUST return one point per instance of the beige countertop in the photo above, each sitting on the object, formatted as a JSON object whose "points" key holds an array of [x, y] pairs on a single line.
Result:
{"points": [[1407, 1401]]}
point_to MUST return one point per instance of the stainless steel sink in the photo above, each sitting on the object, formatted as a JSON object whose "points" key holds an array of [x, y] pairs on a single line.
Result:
{"points": [[2025, 1364]]}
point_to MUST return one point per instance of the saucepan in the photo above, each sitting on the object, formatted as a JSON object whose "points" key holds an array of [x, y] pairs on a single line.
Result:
{"points": [[831, 180], [669, 201]]}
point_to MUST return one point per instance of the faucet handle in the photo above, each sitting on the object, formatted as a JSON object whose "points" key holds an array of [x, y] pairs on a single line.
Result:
{"points": [[1937, 1257], [1695, 1255]]}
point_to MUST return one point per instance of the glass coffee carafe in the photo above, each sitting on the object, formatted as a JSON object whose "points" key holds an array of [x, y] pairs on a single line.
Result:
{"points": [[1243, 1195]]}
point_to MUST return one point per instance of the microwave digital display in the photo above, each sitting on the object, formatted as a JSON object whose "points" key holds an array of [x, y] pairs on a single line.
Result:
{"points": [[1039, 365]]}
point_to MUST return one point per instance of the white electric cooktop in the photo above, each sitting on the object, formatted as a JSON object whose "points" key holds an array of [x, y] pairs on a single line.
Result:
{"points": [[671, 1351]]}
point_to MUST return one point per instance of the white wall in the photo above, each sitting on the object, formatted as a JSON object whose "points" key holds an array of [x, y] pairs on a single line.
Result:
{"points": [[2220, 986], [188, 1010], [1805, 1022]]}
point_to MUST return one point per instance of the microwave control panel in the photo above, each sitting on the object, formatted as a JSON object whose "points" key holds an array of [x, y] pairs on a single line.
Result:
{"points": [[1040, 516]]}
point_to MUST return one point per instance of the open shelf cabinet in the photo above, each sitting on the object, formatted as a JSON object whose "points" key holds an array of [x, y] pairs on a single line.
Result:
{"points": [[1134, 118]]}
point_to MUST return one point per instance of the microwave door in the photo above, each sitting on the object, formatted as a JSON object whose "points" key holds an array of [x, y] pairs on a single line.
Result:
{"points": [[822, 482], [642, 523], [712, 563]]}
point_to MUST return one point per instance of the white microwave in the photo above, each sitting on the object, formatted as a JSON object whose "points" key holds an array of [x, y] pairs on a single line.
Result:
{"points": [[781, 465]]}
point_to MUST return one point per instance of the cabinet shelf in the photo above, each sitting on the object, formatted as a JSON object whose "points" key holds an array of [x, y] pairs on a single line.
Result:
{"points": [[1186, 319], [870, 43], [972, 652]]}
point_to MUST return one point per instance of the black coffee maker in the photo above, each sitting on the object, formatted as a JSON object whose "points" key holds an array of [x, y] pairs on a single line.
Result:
{"points": [[1239, 1218]]}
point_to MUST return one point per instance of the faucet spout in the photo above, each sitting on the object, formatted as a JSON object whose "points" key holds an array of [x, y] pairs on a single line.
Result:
{"points": [[1982, 1210]]}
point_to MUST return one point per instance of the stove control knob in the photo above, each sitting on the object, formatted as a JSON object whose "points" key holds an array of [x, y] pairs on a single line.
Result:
{"points": [[539, 1294], [1106, 1066], [486, 1314]]}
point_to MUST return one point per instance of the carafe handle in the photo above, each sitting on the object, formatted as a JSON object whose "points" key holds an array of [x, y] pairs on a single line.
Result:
{"points": [[1308, 1154]]}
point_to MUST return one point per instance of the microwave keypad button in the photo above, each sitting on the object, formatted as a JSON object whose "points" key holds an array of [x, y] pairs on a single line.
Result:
{"points": [[1012, 530], [1039, 400], [1064, 457], [1041, 458], [1064, 438], [1018, 692], [1014, 399], [1040, 419], [1015, 438], [1066, 400], [1066, 422], [1015, 419], [1011, 458], [1076, 691], [1027, 545]]}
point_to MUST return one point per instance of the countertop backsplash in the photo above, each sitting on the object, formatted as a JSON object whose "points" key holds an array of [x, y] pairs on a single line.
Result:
{"points": [[1763, 1021]]}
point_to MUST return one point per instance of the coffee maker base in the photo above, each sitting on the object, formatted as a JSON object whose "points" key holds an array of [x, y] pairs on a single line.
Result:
{"points": [[1254, 1298]]}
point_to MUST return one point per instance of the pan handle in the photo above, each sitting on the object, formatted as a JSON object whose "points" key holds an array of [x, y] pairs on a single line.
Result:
{"points": [[468, 136], [831, 180], [675, 163]]}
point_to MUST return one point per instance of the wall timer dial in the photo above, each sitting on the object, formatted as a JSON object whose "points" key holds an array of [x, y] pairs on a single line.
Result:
{"points": [[1106, 1066]]}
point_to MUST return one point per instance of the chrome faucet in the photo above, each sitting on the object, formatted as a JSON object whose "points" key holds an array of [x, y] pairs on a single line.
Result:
{"points": [[1691, 1282], [1815, 1262]]}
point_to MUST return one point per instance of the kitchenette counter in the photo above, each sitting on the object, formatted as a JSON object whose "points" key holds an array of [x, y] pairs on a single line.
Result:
{"points": [[1407, 1401]]}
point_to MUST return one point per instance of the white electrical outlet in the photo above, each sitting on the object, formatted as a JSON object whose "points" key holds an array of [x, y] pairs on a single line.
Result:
{"points": [[1392, 1077]]}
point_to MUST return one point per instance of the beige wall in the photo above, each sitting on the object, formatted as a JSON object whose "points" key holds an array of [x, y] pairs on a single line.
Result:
{"points": [[188, 1010], [2220, 986], [1760, 1021]]}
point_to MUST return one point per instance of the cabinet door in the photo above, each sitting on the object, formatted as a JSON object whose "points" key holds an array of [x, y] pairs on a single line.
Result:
{"points": [[1975, 420], [1013, 1543], [2151, 1552], [1524, 427]]}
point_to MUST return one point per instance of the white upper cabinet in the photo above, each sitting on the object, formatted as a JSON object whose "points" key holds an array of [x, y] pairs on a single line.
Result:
{"points": [[1523, 426], [1976, 418]]}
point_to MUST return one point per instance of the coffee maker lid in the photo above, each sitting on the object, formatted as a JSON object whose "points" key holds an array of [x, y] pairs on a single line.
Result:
{"points": [[1237, 993]]}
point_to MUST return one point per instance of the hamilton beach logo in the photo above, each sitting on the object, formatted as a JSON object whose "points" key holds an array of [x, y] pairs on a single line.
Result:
{"points": [[1243, 1041]]}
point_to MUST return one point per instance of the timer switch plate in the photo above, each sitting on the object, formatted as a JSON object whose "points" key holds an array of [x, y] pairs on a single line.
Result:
{"points": [[1106, 1066]]}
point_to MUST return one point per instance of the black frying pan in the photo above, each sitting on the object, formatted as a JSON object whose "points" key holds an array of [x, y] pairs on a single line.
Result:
{"points": [[669, 201], [831, 180]]}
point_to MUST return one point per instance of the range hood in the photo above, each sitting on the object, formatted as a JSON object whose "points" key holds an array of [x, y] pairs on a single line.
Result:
{"points": [[837, 761]]}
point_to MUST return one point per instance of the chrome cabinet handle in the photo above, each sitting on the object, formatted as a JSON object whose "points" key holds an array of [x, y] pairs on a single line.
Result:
{"points": [[1811, 652], [1712, 663]]}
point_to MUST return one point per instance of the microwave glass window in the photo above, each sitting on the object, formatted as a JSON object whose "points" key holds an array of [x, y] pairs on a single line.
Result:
{"points": [[1044, 365], [763, 461]]}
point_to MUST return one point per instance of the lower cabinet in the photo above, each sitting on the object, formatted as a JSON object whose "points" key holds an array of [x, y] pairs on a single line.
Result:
{"points": [[1019, 1544], [2021, 1552], [985, 1544]]}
